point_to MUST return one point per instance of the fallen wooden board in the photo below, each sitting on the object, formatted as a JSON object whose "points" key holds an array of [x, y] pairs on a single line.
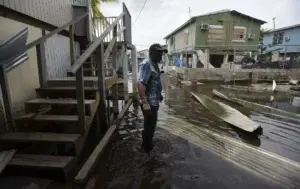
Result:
{"points": [[5, 157], [227, 113], [258, 107]]}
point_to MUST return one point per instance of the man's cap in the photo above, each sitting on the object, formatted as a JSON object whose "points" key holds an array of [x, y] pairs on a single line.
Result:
{"points": [[157, 47]]}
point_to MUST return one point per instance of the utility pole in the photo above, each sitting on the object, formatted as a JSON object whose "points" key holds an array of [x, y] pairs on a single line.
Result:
{"points": [[274, 22]]}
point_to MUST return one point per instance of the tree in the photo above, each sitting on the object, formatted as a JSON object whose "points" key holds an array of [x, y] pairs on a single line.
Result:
{"points": [[95, 4]]}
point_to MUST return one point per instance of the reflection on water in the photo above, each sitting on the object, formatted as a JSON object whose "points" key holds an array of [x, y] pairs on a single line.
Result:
{"points": [[191, 145]]}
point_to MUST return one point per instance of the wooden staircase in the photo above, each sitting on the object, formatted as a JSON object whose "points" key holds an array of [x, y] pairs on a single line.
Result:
{"points": [[53, 132]]}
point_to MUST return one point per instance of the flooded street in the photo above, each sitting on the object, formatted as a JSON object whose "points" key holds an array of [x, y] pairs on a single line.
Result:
{"points": [[195, 149]]}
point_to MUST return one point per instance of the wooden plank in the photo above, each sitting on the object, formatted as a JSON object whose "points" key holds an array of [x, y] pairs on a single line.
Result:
{"points": [[62, 101], [6, 99], [71, 41], [85, 171], [41, 60], [114, 64], [101, 86], [124, 110], [79, 62], [134, 69], [54, 118], [5, 157], [125, 74], [41, 161], [80, 100], [39, 137], [260, 107], [227, 113]]}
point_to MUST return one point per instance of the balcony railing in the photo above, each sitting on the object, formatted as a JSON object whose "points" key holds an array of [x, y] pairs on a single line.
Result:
{"points": [[81, 3]]}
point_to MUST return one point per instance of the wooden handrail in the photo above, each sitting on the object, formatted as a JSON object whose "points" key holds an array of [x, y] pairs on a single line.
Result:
{"points": [[79, 62], [52, 33]]}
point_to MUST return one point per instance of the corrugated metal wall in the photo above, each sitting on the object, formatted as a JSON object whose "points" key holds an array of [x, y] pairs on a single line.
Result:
{"points": [[55, 12]]}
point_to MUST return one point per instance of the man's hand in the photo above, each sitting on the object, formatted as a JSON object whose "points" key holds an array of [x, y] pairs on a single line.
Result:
{"points": [[146, 108], [161, 98]]}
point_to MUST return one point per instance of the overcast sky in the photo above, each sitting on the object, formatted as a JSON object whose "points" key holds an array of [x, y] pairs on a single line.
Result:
{"points": [[160, 17]]}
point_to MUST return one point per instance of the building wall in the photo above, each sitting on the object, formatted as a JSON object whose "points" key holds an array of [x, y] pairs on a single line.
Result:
{"points": [[55, 12], [23, 79], [294, 35], [228, 21], [180, 44]]}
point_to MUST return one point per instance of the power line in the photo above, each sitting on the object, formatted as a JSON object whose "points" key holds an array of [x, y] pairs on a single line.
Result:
{"points": [[140, 12]]}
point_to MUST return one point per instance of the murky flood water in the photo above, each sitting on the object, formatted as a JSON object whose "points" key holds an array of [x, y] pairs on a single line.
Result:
{"points": [[194, 149]]}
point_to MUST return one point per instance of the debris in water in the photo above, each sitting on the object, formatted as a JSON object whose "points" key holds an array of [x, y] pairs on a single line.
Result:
{"points": [[227, 113]]}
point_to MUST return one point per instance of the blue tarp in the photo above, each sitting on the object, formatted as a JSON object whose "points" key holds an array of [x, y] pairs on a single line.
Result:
{"points": [[178, 61]]}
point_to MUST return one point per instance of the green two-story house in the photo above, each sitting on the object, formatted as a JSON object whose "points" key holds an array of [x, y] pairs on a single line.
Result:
{"points": [[215, 38]]}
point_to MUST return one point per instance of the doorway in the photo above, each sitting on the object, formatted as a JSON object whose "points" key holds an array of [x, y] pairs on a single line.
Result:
{"points": [[216, 60]]}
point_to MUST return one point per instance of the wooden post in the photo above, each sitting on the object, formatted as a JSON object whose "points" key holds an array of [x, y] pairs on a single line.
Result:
{"points": [[6, 99], [80, 100], [101, 86], [41, 61], [134, 69], [125, 74], [71, 40], [114, 64]]}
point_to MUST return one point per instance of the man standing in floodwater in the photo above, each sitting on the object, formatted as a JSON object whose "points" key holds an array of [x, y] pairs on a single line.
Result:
{"points": [[150, 88]]}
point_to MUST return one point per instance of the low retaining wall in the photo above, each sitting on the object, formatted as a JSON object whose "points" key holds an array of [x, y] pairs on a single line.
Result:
{"points": [[224, 74]]}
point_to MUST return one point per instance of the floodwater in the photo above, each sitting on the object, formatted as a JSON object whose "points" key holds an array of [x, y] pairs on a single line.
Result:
{"points": [[194, 149]]}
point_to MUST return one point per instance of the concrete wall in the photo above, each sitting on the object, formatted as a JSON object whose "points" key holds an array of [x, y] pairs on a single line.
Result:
{"points": [[294, 35], [23, 79], [179, 44], [222, 74]]}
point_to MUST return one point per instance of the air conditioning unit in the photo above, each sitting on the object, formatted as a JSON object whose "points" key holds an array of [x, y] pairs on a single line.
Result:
{"points": [[204, 26], [287, 38], [251, 36]]}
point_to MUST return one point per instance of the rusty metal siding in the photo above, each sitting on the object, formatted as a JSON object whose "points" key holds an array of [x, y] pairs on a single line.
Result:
{"points": [[55, 12]]}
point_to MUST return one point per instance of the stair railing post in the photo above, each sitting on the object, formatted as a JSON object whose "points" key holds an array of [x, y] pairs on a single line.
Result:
{"points": [[6, 99], [125, 73], [80, 100], [41, 61], [114, 64], [101, 86], [134, 69], [71, 40]]}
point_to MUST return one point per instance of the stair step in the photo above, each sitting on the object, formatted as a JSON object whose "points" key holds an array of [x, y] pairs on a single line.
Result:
{"points": [[62, 101], [39, 137], [41, 161], [35, 104], [65, 92], [54, 118], [89, 81]]}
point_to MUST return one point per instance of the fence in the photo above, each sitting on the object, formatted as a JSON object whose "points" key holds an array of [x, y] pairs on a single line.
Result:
{"points": [[247, 56]]}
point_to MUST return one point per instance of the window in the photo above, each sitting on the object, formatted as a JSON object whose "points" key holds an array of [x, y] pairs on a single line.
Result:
{"points": [[172, 41], [215, 33], [277, 38], [220, 22], [239, 33]]}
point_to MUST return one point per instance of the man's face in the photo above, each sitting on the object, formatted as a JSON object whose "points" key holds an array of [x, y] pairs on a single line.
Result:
{"points": [[156, 56]]}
